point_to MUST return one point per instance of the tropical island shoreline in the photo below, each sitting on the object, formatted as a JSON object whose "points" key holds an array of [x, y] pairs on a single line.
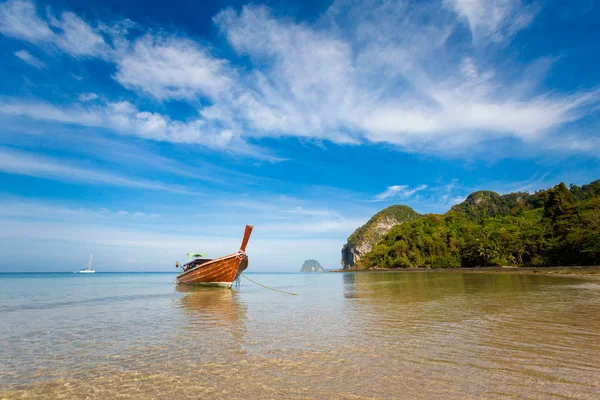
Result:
{"points": [[580, 271], [532, 233]]}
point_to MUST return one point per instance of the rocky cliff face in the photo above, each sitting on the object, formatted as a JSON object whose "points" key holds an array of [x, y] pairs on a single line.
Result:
{"points": [[311, 266], [364, 238]]}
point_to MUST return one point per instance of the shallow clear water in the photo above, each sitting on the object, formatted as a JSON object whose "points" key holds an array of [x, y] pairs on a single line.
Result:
{"points": [[363, 335]]}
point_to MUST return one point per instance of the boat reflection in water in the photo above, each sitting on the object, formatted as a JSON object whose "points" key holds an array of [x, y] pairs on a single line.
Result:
{"points": [[216, 322]]}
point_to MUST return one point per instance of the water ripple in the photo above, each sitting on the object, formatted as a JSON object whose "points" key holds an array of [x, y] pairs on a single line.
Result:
{"points": [[360, 336]]}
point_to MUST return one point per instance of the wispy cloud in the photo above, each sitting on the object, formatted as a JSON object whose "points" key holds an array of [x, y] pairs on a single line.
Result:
{"points": [[314, 212], [284, 208], [361, 74], [22, 163], [87, 97], [333, 93], [29, 59], [402, 191], [125, 118], [19, 19], [18, 208], [171, 68], [69, 33], [457, 200], [496, 20]]}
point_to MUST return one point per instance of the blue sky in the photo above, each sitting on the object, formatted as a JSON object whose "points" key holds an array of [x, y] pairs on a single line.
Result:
{"points": [[140, 130]]}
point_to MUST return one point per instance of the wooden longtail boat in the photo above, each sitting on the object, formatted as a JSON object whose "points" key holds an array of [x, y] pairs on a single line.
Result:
{"points": [[222, 271]]}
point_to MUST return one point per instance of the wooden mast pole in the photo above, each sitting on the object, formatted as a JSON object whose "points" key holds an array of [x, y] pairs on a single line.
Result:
{"points": [[246, 237]]}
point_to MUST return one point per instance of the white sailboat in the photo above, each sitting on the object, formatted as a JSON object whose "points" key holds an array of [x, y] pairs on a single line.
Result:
{"points": [[89, 269]]}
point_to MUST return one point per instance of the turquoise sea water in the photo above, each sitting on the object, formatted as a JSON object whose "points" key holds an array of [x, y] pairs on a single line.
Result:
{"points": [[380, 335]]}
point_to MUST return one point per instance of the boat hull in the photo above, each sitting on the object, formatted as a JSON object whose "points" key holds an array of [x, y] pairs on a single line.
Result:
{"points": [[220, 272]]}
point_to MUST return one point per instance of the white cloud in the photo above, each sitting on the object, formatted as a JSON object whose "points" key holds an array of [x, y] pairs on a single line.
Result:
{"points": [[314, 212], [303, 228], [18, 208], [307, 87], [365, 72], [19, 19], [319, 83], [590, 145], [457, 200], [21, 163], [76, 37], [402, 191], [171, 67], [296, 219], [493, 19], [29, 59], [464, 119], [125, 118], [48, 112]]}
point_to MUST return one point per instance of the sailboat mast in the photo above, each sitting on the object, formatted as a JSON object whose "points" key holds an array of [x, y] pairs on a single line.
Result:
{"points": [[90, 266]]}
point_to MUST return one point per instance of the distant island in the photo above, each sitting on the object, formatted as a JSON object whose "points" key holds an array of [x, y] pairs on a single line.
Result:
{"points": [[311, 266], [559, 226]]}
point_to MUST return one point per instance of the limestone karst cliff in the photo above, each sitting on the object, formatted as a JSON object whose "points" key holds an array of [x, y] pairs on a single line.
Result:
{"points": [[364, 238], [311, 266]]}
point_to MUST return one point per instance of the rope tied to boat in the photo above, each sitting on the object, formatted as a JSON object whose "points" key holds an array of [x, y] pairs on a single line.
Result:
{"points": [[240, 254], [270, 288]]}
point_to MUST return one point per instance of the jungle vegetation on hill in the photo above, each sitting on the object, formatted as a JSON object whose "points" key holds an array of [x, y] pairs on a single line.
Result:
{"points": [[558, 226]]}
